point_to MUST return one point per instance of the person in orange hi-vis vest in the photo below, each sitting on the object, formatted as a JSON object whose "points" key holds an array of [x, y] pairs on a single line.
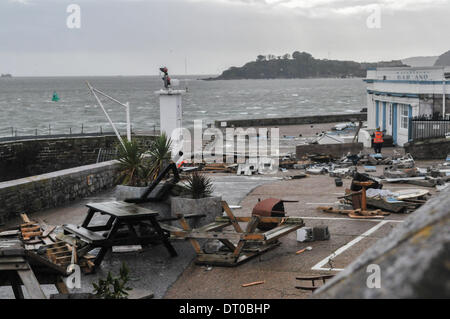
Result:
{"points": [[378, 140]]}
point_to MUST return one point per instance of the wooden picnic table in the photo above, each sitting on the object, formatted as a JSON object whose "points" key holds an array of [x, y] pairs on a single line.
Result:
{"points": [[120, 228]]}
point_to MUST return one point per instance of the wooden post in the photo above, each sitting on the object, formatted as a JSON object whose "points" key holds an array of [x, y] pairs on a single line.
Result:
{"points": [[186, 227], [230, 215], [251, 226]]}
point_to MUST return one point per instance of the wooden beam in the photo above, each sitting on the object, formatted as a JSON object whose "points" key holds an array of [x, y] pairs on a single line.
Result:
{"points": [[31, 284], [232, 217], [185, 225], [251, 226]]}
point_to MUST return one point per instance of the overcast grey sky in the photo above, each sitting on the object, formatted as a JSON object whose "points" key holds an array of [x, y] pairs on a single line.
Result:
{"points": [[135, 37]]}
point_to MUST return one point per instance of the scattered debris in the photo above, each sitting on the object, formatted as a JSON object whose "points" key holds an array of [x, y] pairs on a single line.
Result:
{"points": [[305, 234], [370, 168], [126, 249], [406, 161], [308, 234], [356, 213], [321, 233], [313, 279], [303, 250], [255, 283], [250, 242]]}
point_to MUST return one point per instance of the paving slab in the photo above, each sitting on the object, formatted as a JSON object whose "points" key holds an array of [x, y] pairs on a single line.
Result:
{"points": [[151, 270]]}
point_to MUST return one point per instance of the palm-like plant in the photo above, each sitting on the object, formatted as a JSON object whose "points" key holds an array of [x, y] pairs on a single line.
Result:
{"points": [[130, 157], [159, 155], [199, 185]]}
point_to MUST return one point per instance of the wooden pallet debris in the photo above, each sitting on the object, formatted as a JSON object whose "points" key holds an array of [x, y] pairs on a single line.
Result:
{"points": [[60, 253], [239, 244], [355, 213]]}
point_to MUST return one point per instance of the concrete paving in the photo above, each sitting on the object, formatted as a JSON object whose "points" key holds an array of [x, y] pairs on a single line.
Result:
{"points": [[151, 270], [279, 267]]}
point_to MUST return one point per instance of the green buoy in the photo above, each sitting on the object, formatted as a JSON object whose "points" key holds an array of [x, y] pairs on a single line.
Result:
{"points": [[55, 97]]}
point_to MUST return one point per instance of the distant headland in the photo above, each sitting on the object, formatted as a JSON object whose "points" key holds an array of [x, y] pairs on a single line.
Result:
{"points": [[300, 65], [7, 75]]}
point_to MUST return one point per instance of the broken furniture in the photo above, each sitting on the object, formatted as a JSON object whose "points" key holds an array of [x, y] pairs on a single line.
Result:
{"points": [[313, 280], [271, 207], [239, 244], [127, 224], [166, 187], [406, 161], [355, 213], [19, 266]]}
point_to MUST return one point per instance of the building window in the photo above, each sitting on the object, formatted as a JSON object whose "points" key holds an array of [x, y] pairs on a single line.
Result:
{"points": [[404, 116]]}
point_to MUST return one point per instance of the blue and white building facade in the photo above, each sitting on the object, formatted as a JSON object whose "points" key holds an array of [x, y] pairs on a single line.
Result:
{"points": [[395, 95]]}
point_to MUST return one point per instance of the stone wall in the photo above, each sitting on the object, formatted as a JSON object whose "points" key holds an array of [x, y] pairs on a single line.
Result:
{"points": [[316, 119], [335, 150], [37, 193], [437, 148], [24, 158]]}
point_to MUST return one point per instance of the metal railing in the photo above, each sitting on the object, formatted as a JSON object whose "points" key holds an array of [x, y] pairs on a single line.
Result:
{"points": [[425, 128], [14, 133], [105, 155]]}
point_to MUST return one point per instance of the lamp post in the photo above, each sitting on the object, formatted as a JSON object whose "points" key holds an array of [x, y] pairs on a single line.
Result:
{"points": [[125, 105], [443, 94]]}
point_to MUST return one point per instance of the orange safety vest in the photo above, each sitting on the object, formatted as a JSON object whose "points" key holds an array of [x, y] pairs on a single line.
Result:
{"points": [[378, 137]]}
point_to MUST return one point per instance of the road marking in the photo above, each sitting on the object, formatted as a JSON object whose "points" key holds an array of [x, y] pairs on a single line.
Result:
{"points": [[352, 219], [322, 203], [320, 264]]}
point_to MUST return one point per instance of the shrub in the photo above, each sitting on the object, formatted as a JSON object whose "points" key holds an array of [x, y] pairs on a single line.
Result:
{"points": [[159, 155], [131, 159], [113, 287], [199, 185]]}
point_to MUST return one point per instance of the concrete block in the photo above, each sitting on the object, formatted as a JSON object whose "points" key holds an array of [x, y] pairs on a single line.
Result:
{"points": [[210, 206], [321, 233], [305, 234]]}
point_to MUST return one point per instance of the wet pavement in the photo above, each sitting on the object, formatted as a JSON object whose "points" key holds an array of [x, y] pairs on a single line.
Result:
{"points": [[152, 270]]}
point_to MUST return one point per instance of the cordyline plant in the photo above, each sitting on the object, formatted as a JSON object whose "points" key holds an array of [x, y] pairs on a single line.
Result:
{"points": [[131, 159], [159, 155], [199, 185], [113, 287]]}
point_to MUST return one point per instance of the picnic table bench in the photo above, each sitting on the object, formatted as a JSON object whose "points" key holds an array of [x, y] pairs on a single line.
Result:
{"points": [[240, 244], [127, 224]]}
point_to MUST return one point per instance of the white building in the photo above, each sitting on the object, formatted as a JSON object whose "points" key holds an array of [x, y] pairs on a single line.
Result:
{"points": [[395, 95]]}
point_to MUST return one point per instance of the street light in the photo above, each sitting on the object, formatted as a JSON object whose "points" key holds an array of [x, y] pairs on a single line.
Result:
{"points": [[125, 105]]}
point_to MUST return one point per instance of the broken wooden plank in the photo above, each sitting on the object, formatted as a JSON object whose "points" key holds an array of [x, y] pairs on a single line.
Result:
{"points": [[254, 283], [9, 233], [25, 218], [31, 284], [48, 231]]}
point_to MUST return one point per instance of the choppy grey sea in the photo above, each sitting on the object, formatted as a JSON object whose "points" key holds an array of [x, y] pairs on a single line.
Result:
{"points": [[26, 103]]}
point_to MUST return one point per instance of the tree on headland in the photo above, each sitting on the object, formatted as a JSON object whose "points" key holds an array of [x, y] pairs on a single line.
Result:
{"points": [[301, 65], [261, 58]]}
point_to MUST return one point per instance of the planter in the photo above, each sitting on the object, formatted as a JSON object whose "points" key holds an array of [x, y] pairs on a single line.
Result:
{"points": [[123, 192], [210, 206]]}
